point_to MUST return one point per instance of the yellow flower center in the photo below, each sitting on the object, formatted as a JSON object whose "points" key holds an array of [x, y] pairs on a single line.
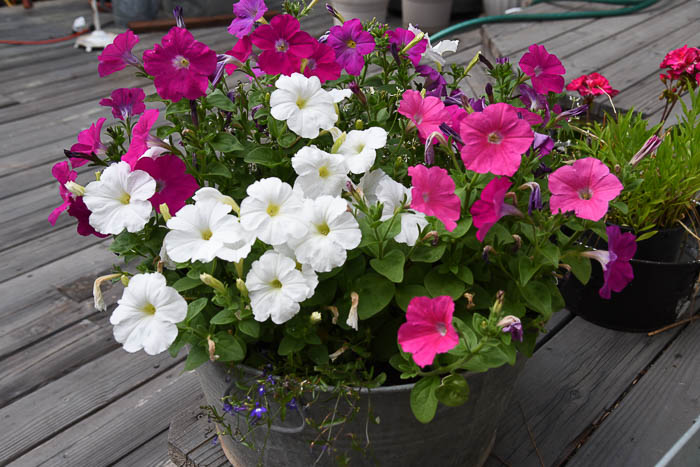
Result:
{"points": [[323, 229], [323, 172], [206, 234], [301, 102], [125, 198], [273, 209], [585, 193], [351, 43], [276, 284], [495, 138], [149, 309]]}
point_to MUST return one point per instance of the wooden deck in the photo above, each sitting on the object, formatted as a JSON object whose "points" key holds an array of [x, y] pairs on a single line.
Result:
{"points": [[69, 395]]}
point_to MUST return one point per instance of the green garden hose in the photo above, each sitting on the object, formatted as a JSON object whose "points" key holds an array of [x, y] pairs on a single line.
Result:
{"points": [[632, 7]]}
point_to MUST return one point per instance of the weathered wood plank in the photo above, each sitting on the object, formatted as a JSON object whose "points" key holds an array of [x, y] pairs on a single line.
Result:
{"points": [[567, 385], [667, 394], [110, 434], [154, 453], [79, 394], [190, 431]]}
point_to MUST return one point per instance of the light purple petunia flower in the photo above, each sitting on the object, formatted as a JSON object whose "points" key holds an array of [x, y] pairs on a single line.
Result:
{"points": [[247, 13]]}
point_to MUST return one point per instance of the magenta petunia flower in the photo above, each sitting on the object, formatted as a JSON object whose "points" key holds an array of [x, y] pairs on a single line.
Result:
{"points": [[682, 60], [125, 102], [427, 114], [494, 140], [140, 137], [433, 194], [240, 51], [283, 45], [491, 206], [180, 65], [586, 187], [117, 55], [89, 142], [81, 213], [401, 37], [594, 84], [531, 118], [62, 172], [174, 186], [322, 63], [617, 270], [428, 329], [247, 13], [544, 69], [351, 43]]}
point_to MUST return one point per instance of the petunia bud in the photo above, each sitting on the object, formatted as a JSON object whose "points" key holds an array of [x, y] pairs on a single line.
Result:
{"points": [[416, 39], [315, 317], [98, 174], [498, 305], [486, 253], [359, 124], [535, 201], [450, 132], [648, 148], [489, 92], [77, 190], [334, 13], [485, 61], [124, 280], [338, 142], [179, 20], [355, 88], [395, 53], [165, 212], [240, 285], [212, 282], [97, 291]]}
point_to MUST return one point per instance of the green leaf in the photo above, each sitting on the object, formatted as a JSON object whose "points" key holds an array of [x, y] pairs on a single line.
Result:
{"points": [[196, 357], [225, 316], [382, 115], [454, 391], [195, 307], [219, 100], [390, 228], [375, 293], [580, 267], [324, 293], [444, 284], [537, 295], [228, 347], [318, 354], [527, 268], [551, 253], [428, 253], [289, 345], [391, 266], [465, 274], [406, 292], [182, 106], [264, 156], [186, 283], [164, 131], [250, 327], [287, 140], [647, 235], [466, 332], [224, 142], [217, 169], [620, 206], [423, 400]]}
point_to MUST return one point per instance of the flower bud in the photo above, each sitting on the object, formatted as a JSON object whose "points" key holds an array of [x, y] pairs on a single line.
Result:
{"points": [[179, 20], [98, 174], [359, 124], [315, 317], [165, 212], [648, 148], [498, 304], [77, 190], [124, 280], [212, 282], [240, 285], [355, 88], [338, 142], [418, 37], [334, 13], [485, 61]]}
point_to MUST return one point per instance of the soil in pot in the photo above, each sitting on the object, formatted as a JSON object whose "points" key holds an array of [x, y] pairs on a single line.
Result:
{"points": [[457, 436]]}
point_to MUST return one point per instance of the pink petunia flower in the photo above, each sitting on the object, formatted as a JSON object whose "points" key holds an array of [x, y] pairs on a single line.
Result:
{"points": [[283, 45], [594, 84], [89, 142], [491, 206], [428, 329], [141, 138], [81, 213], [240, 51], [617, 270], [427, 114], [586, 187], [247, 13], [682, 60], [322, 63], [174, 186], [125, 102], [494, 140], [117, 55], [544, 69], [433, 194], [73, 204], [401, 37], [180, 65], [351, 43]]}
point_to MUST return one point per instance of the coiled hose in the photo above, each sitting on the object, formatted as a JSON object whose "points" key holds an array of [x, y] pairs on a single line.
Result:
{"points": [[632, 6]]}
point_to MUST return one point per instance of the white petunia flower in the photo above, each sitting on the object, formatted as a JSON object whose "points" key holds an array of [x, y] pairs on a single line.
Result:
{"points": [[147, 314], [338, 95], [208, 192], [272, 210], [360, 148], [304, 104], [369, 183], [119, 200], [275, 287], [306, 270], [394, 196], [332, 230], [204, 231], [433, 54], [320, 173]]}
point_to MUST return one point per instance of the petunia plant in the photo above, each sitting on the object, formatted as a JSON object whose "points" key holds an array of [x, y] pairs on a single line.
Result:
{"points": [[338, 209]]}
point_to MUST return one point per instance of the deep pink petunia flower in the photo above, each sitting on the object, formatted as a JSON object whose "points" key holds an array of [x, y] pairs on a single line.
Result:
{"points": [[174, 186], [427, 114], [283, 45], [247, 13], [402, 37], [617, 270], [594, 84], [544, 69], [531, 118], [433, 194], [180, 65], [322, 63], [351, 43], [586, 187], [428, 329], [490, 207], [61, 171], [89, 142], [682, 60], [494, 140], [240, 51], [117, 55], [140, 137], [81, 213], [125, 102]]}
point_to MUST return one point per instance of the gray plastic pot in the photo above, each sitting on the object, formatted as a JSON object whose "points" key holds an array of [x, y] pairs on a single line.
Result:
{"points": [[429, 15], [134, 10], [457, 436]]}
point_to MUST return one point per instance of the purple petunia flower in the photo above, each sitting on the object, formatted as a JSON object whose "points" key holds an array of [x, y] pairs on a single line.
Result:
{"points": [[351, 43], [617, 270], [402, 37], [125, 102], [435, 84], [247, 13], [542, 144], [511, 324]]}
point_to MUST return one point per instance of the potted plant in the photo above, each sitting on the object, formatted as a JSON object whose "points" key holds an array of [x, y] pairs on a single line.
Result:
{"points": [[346, 257], [660, 169]]}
